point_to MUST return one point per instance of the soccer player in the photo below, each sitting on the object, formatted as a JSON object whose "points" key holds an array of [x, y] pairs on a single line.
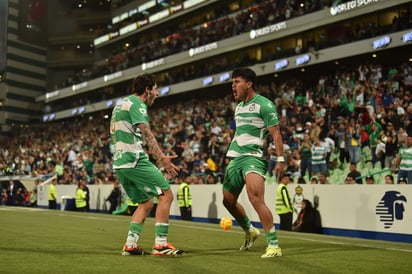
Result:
{"points": [[255, 118], [140, 178]]}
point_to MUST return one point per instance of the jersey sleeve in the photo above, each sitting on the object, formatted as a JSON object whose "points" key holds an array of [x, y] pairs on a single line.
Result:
{"points": [[269, 114], [138, 114]]}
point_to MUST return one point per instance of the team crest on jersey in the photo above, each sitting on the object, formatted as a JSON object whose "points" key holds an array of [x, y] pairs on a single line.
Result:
{"points": [[252, 107]]}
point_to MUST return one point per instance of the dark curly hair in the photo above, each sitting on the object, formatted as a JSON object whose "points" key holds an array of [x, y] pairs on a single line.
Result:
{"points": [[141, 82], [247, 74]]}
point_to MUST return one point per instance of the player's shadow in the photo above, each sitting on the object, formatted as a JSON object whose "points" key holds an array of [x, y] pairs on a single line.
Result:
{"points": [[212, 211]]}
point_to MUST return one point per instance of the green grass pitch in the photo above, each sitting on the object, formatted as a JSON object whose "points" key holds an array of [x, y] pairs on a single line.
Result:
{"points": [[44, 241]]}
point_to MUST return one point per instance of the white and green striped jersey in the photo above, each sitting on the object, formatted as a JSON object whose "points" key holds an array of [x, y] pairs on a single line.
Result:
{"points": [[125, 136], [252, 120], [406, 158], [318, 155]]}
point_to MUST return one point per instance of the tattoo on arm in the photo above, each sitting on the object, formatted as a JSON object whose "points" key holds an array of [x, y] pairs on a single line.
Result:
{"points": [[151, 142]]}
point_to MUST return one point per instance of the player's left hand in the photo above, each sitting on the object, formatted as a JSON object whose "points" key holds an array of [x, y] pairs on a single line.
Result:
{"points": [[171, 169]]}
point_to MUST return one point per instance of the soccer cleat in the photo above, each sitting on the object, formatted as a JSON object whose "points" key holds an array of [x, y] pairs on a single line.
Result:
{"points": [[250, 238], [272, 252], [137, 250], [166, 250]]}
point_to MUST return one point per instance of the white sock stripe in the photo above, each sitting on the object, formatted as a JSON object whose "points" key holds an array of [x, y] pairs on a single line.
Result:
{"points": [[161, 224]]}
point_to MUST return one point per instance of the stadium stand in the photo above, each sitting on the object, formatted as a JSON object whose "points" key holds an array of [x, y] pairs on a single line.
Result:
{"points": [[346, 81]]}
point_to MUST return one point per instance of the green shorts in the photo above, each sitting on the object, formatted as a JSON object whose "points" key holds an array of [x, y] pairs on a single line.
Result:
{"points": [[237, 169], [143, 182]]}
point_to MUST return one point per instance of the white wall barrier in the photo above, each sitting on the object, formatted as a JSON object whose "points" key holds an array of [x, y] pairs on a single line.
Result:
{"points": [[98, 194], [368, 211]]}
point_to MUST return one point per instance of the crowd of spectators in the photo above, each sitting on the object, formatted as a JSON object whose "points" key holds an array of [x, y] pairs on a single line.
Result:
{"points": [[369, 101], [264, 13], [220, 25]]}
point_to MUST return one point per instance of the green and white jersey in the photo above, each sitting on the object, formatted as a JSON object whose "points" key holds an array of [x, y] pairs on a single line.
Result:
{"points": [[318, 155], [406, 158], [125, 136], [252, 120]]}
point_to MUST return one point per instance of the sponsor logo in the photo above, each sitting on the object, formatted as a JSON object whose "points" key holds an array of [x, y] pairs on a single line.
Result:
{"points": [[143, 111], [350, 5], [391, 208]]}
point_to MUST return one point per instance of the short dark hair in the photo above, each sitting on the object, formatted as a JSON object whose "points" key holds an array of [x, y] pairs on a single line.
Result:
{"points": [[141, 82], [247, 74], [390, 176], [286, 174]]}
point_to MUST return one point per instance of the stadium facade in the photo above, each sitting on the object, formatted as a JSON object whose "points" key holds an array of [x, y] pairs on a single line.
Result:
{"points": [[63, 59]]}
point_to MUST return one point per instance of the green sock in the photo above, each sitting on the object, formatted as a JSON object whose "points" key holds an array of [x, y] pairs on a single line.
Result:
{"points": [[272, 239], [161, 232], [135, 230], [245, 224]]}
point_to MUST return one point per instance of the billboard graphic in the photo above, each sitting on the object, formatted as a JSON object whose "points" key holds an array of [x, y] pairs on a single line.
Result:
{"points": [[391, 208]]}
